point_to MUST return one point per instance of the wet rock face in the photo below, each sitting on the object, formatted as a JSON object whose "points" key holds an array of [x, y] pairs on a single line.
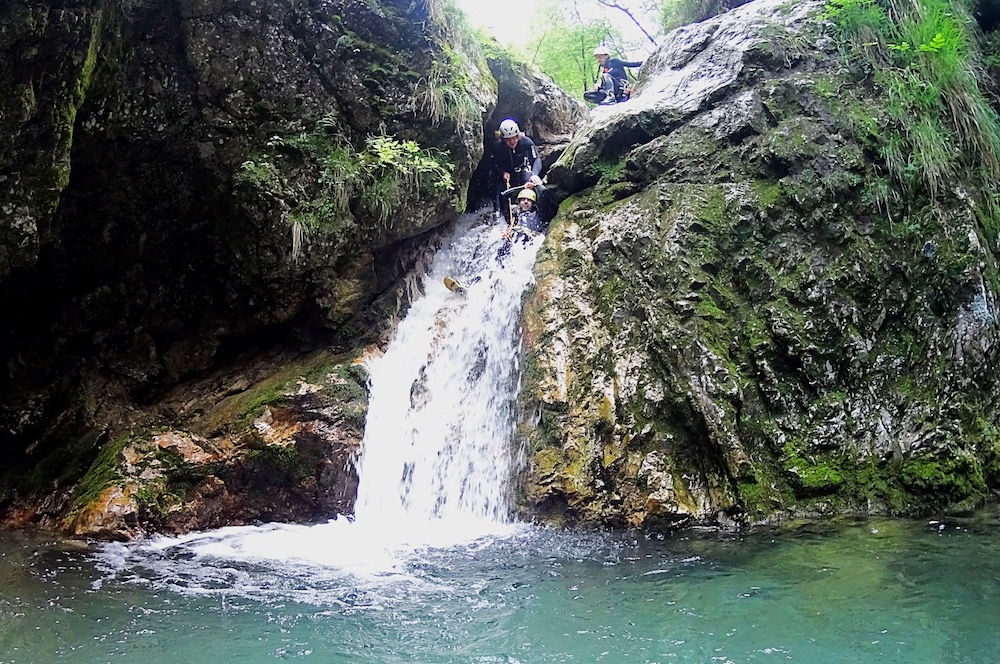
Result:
{"points": [[129, 257], [730, 324], [269, 441]]}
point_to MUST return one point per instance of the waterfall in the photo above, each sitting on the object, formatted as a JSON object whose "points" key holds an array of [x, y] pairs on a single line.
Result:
{"points": [[437, 456], [438, 445]]}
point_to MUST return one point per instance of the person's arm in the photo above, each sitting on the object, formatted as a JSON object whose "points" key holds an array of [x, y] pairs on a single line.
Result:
{"points": [[534, 156], [617, 67], [622, 63]]}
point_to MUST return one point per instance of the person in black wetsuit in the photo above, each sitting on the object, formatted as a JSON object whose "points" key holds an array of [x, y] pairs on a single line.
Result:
{"points": [[527, 224], [514, 161], [613, 85], [527, 213]]}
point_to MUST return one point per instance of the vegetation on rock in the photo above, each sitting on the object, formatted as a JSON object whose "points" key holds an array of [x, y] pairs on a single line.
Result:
{"points": [[755, 307], [282, 448]]}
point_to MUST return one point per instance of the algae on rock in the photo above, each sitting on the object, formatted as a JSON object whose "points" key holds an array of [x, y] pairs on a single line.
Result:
{"points": [[739, 323]]}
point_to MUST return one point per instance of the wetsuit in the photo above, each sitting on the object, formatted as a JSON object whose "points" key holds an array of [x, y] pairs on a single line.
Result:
{"points": [[521, 162], [614, 80]]}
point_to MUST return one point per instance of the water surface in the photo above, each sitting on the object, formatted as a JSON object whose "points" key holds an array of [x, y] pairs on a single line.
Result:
{"points": [[850, 591]]}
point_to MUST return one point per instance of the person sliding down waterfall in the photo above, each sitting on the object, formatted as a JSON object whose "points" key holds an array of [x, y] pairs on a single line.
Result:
{"points": [[514, 162], [525, 224]]}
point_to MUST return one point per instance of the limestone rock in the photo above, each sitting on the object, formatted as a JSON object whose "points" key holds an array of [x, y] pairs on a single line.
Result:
{"points": [[731, 325]]}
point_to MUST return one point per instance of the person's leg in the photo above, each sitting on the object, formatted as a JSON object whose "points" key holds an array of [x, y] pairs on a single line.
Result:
{"points": [[608, 88]]}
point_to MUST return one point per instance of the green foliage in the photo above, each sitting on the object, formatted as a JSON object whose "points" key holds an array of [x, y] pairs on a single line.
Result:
{"points": [[561, 44], [445, 91], [257, 172], [386, 175], [395, 170], [857, 22], [922, 56]]}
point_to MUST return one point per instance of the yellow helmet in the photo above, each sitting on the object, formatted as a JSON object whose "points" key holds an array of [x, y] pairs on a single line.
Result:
{"points": [[527, 193]]}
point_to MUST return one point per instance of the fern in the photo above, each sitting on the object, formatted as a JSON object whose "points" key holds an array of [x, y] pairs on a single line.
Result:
{"points": [[384, 177]]}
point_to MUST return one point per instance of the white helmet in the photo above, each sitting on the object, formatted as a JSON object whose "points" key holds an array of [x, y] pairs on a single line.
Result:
{"points": [[509, 129], [602, 50]]}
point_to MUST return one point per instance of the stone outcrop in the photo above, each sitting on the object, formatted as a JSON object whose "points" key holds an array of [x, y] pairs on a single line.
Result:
{"points": [[542, 110], [733, 320]]}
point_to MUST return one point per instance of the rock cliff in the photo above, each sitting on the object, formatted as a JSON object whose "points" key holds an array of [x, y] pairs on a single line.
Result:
{"points": [[737, 318]]}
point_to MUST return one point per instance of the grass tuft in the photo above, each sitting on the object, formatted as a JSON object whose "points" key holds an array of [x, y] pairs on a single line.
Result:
{"points": [[923, 56]]}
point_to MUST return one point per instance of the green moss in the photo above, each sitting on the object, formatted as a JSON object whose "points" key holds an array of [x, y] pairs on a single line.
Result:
{"points": [[157, 498], [820, 477], [104, 472], [274, 392], [875, 483], [944, 481], [238, 411], [64, 117], [347, 384], [913, 487], [707, 308], [991, 468], [759, 492], [283, 459], [609, 170], [753, 496], [338, 377], [814, 476], [795, 140], [605, 414], [768, 193]]}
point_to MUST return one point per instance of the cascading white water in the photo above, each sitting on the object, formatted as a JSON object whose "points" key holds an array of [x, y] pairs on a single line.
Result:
{"points": [[438, 452], [438, 442]]}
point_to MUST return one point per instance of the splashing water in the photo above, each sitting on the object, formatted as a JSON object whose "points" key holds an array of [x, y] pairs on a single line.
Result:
{"points": [[438, 443], [438, 452]]}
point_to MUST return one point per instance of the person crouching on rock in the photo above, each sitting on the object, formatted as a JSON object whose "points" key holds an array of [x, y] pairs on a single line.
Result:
{"points": [[613, 84]]}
